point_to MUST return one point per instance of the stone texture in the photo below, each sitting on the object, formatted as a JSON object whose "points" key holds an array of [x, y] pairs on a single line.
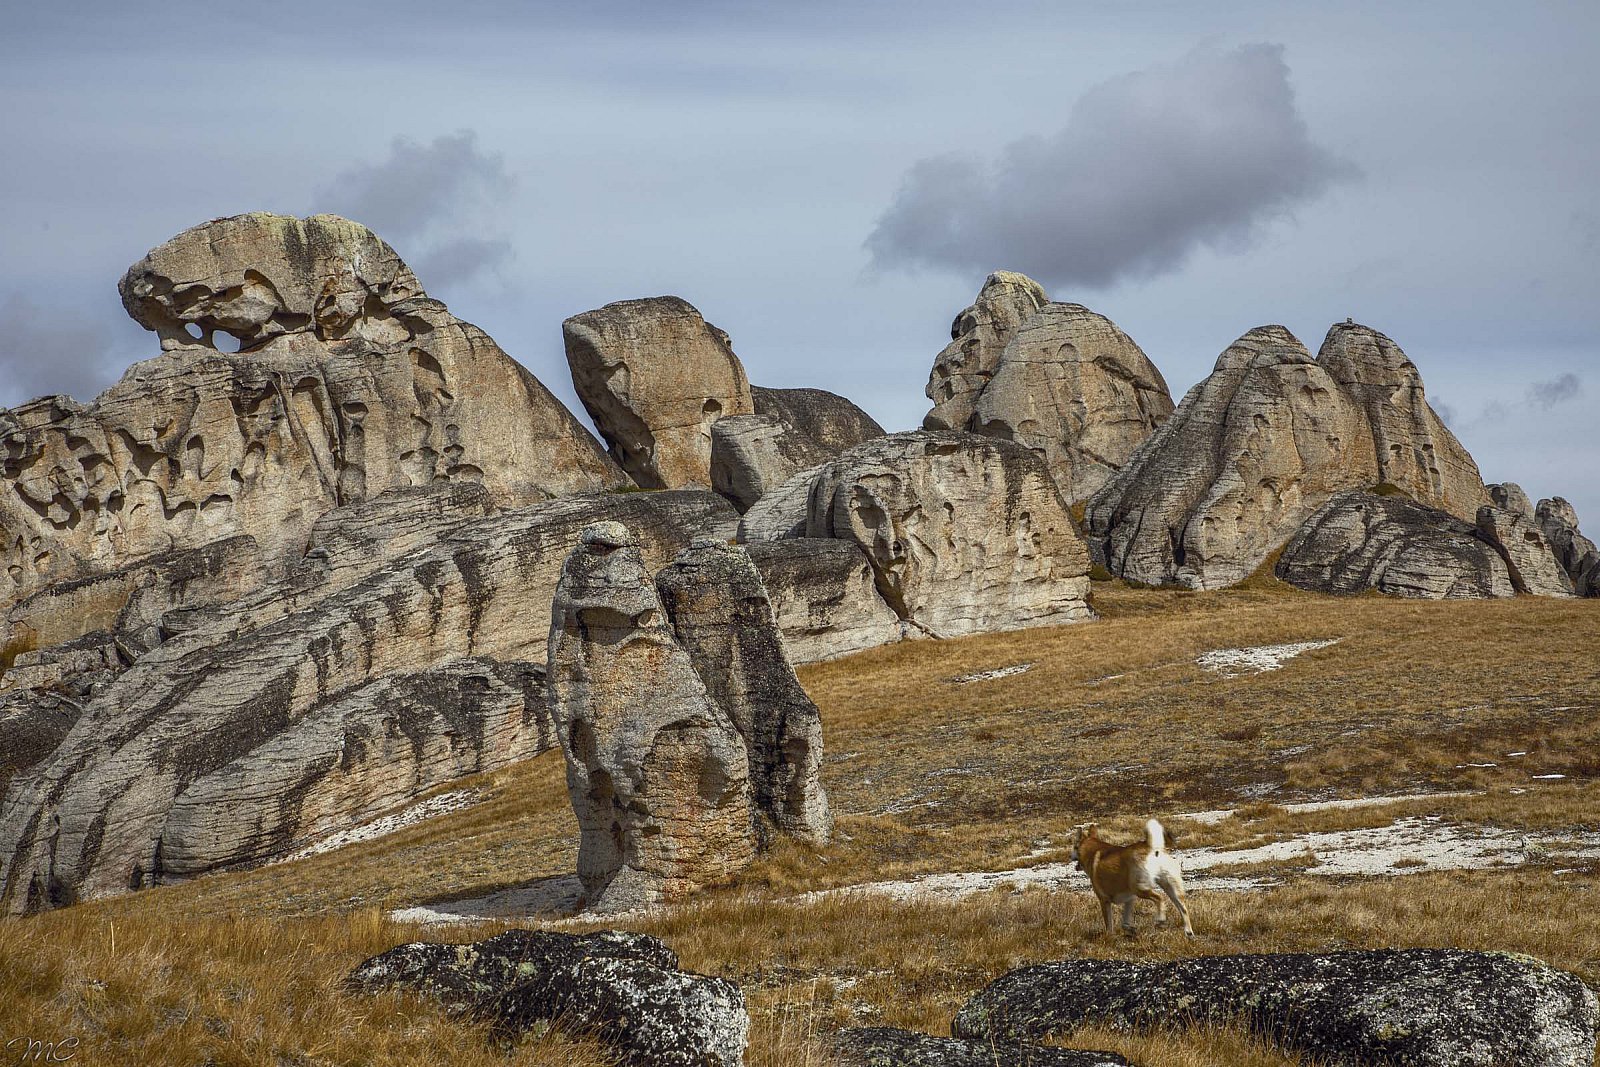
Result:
{"points": [[780, 512], [1529, 557], [1359, 541], [658, 774], [1247, 456], [977, 338], [351, 381], [655, 376], [1414, 449], [1509, 496], [885, 1046], [828, 419], [33, 725], [824, 597], [257, 698], [791, 431], [1578, 556], [1075, 389], [722, 617], [965, 534], [1411, 1008], [625, 989]]}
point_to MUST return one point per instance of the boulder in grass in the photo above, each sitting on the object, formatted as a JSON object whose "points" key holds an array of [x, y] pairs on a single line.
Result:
{"points": [[885, 1046]]}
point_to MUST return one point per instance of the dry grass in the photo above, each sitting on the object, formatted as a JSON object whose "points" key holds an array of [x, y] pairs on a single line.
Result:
{"points": [[1113, 722]]}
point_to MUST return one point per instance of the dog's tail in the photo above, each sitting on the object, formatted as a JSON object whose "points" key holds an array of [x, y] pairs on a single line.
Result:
{"points": [[1155, 835]]}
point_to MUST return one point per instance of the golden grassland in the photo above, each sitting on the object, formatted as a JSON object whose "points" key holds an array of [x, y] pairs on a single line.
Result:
{"points": [[1114, 722]]}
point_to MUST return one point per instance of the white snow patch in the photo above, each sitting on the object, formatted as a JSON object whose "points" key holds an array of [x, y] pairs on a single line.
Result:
{"points": [[989, 676], [442, 804], [1236, 661], [1209, 818]]}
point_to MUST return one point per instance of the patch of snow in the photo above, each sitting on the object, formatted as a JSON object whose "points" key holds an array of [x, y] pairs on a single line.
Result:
{"points": [[1209, 818], [1232, 662], [542, 896], [989, 676], [1546, 777], [442, 804]]}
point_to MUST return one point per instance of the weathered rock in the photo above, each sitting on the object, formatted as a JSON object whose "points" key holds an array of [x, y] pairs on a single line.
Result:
{"points": [[1529, 557], [722, 617], [1074, 388], [1411, 1008], [658, 774], [655, 376], [251, 699], [351, 381], [824, 597], [965, 534], [1414, 449], [885, 1046], [1246, 458], [1509, 496], [780, 512], [1359, 541], [833, 422], [1578, 556], [751, 455], [977, 338], [33, 725], [622, 988]]}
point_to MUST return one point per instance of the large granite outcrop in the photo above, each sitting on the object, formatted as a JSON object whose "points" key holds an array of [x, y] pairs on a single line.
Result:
{"points": [[723, 618], [1359, 541], [655, 377], [398, 653], [1075, 389], [824, 597], [350, 380], [1267, 439], [1407, 1008], [1512, 526], [791, 431], [965, 534], [977, 338], [1578, 556], [658, 774]]}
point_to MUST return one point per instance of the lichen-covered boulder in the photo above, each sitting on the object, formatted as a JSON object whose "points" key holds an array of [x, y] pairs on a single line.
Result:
{"points": [[723, 618], [977, 338], [350, 380], [885, 1046], [824, 597], [655, 377], [1578, 556], [1402, 1008], [658, 774], [965, 534], [1359, 541], [1074, 388]]}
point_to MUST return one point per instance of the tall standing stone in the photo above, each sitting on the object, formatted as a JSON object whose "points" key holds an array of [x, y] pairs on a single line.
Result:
{"points": [[977, 338]]}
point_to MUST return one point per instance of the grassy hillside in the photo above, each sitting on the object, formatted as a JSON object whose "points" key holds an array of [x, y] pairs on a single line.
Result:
{"points": [[1113, 721]]}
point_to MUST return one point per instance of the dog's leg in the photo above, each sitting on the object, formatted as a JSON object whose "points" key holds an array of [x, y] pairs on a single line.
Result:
{"points": [[1172, 886], [1127, 915], [1109, 908]]}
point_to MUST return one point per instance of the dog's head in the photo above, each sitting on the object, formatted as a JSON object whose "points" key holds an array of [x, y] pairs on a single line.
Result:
{"points": [[1081, 833]]}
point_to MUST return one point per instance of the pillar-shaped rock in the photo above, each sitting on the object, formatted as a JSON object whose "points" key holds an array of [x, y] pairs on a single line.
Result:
{"points": [[977, 338], [658, 775], [723, 618]]}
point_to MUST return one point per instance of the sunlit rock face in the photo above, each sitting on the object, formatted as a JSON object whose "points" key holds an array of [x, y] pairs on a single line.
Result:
{"points": [[977, 338], [349, 380]]}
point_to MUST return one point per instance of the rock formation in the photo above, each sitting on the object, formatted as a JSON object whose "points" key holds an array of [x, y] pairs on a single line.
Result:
{"points": [[885, 1046], [792, 430], [1075, 389], [400, 652], [625, 989], [655, 376], [1510, 526], [1578, 556], [1410, 1008], [658, 774], [965, 534], [780, 512], [1265, 441], [722, 617], [824, 597], [977, 338], [350, 380], [1359, 541]]}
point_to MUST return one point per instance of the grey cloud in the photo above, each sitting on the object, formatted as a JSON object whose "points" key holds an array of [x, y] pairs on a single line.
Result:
{"points": [[1555, 391], [427, 200], [1149, 167], [42, 354]]}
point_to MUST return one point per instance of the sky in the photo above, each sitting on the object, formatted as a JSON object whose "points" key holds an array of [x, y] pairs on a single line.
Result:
{"points": [[831, 182]]}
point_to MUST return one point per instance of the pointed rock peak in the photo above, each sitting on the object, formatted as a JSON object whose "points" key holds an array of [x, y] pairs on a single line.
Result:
{"points": [[1264, 346], [1509, 496], [1357, 354], [1003, 283], [261, 275], [978, 336]]}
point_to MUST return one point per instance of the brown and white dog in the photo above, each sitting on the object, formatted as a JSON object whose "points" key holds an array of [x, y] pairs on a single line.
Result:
{"points": [[1121, 874]]}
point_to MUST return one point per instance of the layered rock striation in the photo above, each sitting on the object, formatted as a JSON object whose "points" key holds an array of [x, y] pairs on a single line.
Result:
{"points": [[792, 430], [977, 338]]}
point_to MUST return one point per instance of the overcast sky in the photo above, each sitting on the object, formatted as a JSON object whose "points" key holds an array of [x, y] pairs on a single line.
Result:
{"points": [[830, 182]]}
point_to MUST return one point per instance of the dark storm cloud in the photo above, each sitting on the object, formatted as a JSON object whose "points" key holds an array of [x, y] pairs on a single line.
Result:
{"points": [[432, 202], [1149, 167], [42, 354], [1555, 391]]}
